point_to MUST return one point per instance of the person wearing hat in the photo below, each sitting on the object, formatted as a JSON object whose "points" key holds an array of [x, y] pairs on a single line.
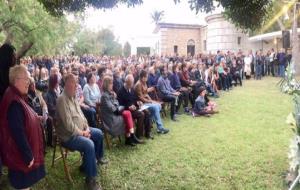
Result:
{"points": [[202, 105]]}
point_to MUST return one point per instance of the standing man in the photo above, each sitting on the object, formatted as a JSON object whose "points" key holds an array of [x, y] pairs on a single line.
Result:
{"points": [[282, 62], [258, 65], [272, 62]]}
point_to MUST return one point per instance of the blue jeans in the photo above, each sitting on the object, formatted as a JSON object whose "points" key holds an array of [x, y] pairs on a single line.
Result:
{"points": [[155, 114], [92, 149], [210, 89], [258, 71], [281, 70], [225, 81], [90, 115], [242, 73]]}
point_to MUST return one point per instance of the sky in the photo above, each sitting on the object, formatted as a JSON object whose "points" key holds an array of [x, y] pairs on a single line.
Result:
{"points": [[135, 22]]}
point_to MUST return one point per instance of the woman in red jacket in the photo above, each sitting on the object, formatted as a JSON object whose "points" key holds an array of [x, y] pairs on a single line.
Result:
{"points": [[21, 139]]}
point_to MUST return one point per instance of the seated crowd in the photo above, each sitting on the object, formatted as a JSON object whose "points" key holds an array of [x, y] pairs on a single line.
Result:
{"points": [[129, 95]]}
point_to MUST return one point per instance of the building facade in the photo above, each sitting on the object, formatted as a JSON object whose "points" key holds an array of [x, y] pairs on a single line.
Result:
{"points": [[223, 35], [218, 34], [179, 39], [183, 39]]}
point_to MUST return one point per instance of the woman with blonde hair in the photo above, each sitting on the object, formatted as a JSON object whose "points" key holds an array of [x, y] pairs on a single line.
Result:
{"points": [[116, 119]]}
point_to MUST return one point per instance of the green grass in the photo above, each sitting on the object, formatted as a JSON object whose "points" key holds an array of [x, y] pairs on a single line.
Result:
{"points": [[243, 147]]}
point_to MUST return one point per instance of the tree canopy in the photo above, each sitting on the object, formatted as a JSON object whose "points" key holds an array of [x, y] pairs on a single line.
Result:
{"points": [[247, 15], [102, 42], [59, 7], [127, 49], [30, 28], [157, 16]]}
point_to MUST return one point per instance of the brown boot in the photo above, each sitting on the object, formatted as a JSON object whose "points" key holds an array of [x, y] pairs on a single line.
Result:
{"points": [[92, 184]]}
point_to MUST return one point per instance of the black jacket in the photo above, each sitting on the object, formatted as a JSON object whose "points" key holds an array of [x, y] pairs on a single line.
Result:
{"points": [[126, 98], [50, 99]]}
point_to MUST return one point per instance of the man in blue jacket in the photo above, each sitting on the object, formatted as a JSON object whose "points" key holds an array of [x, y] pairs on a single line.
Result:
{"points": [[168, 94]]}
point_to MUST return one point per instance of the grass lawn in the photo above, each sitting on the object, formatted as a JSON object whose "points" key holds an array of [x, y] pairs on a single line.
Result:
{"points": [[243, 147]]}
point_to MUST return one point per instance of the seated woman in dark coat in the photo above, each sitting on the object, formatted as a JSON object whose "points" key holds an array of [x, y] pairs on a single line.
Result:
{"points": [[175, 83], [116, 119], [50, 97], [38, 104], [21, 133], [36, 101], [117, 81]]}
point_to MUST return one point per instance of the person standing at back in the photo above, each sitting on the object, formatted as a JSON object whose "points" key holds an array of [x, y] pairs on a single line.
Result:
{"points": [[282, 59], [21, 141], [7, 60]]}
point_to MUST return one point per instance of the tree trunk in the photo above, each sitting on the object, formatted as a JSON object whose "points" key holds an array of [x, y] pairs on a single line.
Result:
{"points": [[295, 43], [24, 49], [9, 37]]}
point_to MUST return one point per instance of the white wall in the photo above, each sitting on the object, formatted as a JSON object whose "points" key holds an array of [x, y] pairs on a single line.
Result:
{"points": [[222, 35]]}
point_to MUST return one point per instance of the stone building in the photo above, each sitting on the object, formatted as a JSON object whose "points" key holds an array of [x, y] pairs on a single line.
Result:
{"points": [[184, 39], [218, 34], [178, 38], [223, 35]]}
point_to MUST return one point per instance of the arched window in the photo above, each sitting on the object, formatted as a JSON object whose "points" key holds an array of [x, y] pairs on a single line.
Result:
{"points": [[191, 42]]}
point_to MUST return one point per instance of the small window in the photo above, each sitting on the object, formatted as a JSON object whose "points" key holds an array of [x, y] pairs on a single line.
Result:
{"points": [[175, 49], [239, 40]]}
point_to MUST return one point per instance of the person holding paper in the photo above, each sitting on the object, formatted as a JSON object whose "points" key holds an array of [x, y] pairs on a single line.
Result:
{"points": [[129, 100], [141, 89]]}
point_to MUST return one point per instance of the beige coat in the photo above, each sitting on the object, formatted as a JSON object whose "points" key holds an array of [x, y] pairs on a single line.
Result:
{"points": [[70, 117]]}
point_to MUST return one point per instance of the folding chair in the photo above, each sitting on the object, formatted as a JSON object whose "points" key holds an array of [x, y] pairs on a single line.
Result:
{"points": [[101, 126], [163, 106], [64, 154]]}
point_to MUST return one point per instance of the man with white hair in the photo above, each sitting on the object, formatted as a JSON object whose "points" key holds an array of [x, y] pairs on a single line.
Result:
{"points": [[75, 134], [128, 99]]}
